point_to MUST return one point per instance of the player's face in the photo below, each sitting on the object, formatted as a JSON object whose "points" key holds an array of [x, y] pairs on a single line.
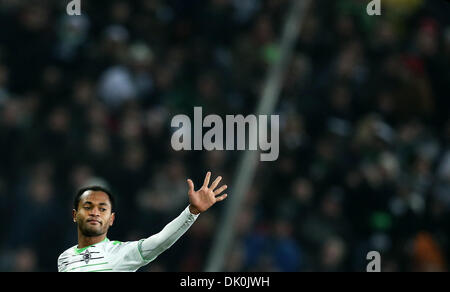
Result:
{"points": [[94, 215]]}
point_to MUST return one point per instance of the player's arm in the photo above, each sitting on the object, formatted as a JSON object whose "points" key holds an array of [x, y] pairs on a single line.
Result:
{"points": [[200, 201]]}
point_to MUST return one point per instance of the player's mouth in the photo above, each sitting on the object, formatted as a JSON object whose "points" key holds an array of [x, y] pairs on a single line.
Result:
{"points": [[94, 222]]}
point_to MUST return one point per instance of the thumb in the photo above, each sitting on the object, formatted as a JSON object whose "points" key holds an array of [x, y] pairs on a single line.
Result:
{"points": [[191, 185]]}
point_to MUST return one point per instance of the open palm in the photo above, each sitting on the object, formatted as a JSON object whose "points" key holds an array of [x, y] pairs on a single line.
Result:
{"points": [[205, 197]]}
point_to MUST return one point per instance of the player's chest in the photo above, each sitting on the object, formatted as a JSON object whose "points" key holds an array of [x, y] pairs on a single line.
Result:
{"points": [[90, 260]]}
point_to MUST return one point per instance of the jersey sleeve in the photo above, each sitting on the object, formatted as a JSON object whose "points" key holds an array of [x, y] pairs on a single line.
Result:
{"points": [[60, 265], [153, 246], [135, 254], [63, 261]]}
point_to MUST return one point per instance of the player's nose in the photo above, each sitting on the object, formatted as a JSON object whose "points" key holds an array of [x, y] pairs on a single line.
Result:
{"points": [[94, 212]]}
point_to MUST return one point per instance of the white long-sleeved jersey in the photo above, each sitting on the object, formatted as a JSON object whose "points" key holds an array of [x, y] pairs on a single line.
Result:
{"points": [[116, 256]]}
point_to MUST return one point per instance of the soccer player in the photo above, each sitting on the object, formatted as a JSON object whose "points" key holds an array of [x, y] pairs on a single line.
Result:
{"points": [[93, 213]]}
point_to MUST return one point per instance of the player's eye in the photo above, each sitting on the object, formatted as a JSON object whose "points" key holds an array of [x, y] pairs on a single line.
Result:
{"points": [[102, 209]]}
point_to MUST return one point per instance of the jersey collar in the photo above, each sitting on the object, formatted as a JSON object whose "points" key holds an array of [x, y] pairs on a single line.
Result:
{"points": [[80, 250]]}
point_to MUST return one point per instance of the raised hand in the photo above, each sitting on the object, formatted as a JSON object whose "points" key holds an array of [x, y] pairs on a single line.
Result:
{"points": [[205, 197]]}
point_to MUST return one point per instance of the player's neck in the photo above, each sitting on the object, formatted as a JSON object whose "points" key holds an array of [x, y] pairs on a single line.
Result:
{"points": [[84, 241]]}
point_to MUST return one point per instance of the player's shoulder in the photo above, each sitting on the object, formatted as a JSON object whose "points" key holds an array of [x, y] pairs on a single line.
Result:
{"points": [[116, 245]]}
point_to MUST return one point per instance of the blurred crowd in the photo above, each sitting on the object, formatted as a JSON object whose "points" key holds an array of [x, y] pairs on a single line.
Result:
{"points": [[364, 140]]}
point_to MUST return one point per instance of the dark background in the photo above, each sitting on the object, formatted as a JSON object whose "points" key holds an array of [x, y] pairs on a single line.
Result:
{"points": [[365, 130]]}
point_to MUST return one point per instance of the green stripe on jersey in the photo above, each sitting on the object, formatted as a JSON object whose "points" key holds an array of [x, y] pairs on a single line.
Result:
{"points": [[80, 250], [140, 249]]}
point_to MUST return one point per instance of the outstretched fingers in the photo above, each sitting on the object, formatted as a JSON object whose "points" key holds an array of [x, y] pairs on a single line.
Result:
{"points": [[216, 183], [207, 178], [221, 198], [220, 190]]}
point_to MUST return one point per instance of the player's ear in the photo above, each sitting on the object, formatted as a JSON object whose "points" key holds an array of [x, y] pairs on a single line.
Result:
{"points": [[111, 219], [74, 215]]}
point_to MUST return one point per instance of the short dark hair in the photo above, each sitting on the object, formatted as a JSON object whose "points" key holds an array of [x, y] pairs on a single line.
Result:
{"points": [[76, 202]]}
